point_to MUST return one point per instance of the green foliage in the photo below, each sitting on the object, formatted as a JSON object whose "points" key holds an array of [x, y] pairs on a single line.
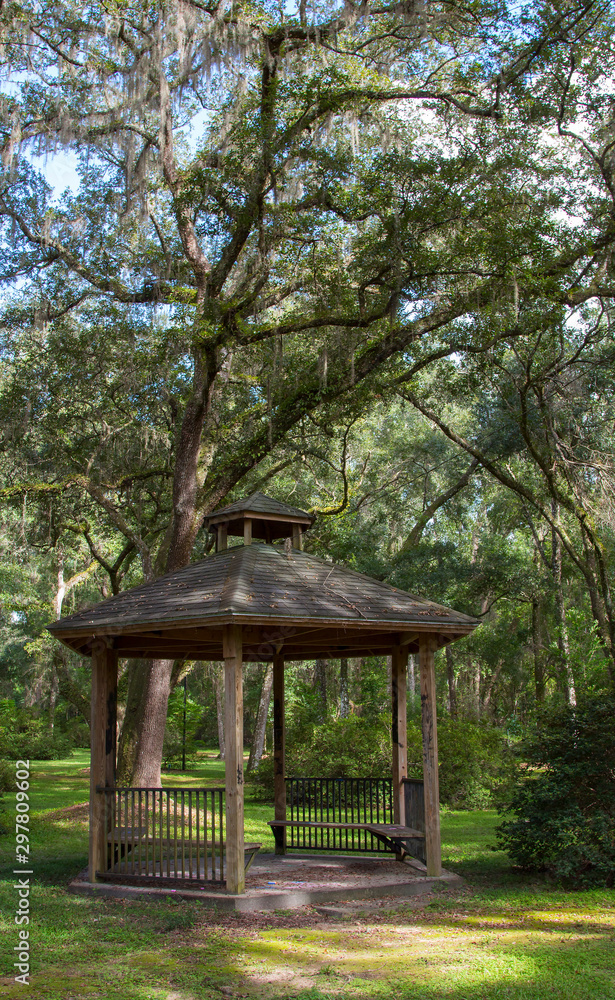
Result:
{"points": [[7, 784], [473, 759], [174, 731], [561, 817], [474, 764], [345, 748], [22, 736], [338, 748], [7, 777]]}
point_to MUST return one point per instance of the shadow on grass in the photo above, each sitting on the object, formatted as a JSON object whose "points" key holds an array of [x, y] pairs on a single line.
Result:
{"points": [[140, 951]]}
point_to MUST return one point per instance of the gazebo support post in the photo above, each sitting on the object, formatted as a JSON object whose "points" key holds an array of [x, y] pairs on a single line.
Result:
{"points": [[427, 648], [233, 725], [221, 537], [103, 730], [279, 746], [399, 730]]}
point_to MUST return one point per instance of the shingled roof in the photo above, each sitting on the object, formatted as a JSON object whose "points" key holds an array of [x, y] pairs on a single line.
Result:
{"points": [[259, 503], [270, 518], [281, 596]]}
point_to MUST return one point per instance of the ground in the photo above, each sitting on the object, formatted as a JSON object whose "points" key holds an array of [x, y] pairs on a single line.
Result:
{"points": [[503, 935]]}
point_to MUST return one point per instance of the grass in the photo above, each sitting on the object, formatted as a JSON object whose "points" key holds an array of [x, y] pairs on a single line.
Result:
{"points": [[501, 936]]}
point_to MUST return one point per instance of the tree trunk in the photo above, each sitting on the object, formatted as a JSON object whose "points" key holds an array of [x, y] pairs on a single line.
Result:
{"points": [[344, 696], [477, 680], [450, 677], [411, 683], [142, 736], [473, 688], [258, 742], [151, 681], [538, 653], [320, 681], [563, 641], [54, 687], [72, 693], [490, 686], [219, 688]]}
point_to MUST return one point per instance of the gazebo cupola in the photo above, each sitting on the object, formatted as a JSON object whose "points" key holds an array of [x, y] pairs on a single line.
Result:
{"points": [[258, 516]]}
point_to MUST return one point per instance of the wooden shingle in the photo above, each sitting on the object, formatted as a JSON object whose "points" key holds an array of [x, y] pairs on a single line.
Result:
{"points": [[264, 587]]}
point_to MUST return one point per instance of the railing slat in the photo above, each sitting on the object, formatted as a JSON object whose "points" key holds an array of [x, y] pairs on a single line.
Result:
{"points": [[168, 838], [338, 800]]}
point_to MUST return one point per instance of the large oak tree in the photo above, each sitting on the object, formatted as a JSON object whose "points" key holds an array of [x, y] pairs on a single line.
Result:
{"points": [[280, 211]]}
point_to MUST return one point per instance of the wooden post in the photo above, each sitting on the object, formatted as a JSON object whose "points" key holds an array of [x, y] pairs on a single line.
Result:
{"points": [[427, 648], [221, 537], [247, 531], [399, 730], [233, 726], [297, 536], [279, 745], [103, 739]]}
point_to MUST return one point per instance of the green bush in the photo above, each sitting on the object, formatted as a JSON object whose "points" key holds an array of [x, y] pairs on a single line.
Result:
{"points": [[7, 777], [7, 784], [344, 748], [22, 736], [473, 765], [561, 817]]}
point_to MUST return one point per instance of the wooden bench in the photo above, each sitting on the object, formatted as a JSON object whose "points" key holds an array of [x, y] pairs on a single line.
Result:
{"points": [[403, 841]]}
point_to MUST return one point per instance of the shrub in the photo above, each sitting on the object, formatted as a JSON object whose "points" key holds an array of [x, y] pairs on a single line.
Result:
{"points": [[7, 777], [472, 757], [475, 765], [22, 736], [7, 784], [561, 816]]}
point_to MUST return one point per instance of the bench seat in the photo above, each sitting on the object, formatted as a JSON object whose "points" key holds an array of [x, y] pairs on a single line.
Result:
{"points": [[401, 840]]}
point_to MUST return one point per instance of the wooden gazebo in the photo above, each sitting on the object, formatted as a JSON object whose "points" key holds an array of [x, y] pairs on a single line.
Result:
{"points": [[254, 602]]}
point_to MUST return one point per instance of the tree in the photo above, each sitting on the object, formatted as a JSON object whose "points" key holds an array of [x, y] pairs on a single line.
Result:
{"points": [[547, 401], [265, 182]]}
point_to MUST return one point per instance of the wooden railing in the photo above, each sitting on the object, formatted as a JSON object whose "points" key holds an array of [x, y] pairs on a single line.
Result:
{"points": [[170, 834], [337, 800]]}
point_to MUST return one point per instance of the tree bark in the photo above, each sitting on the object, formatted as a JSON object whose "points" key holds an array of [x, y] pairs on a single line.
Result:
{"points": [[54, 688], [491, 685], [142, 736], [563, 641], [320, 680], [219, 689], [450, 677], [258, 742], [411, 680], [538, 653], [344, 696]]}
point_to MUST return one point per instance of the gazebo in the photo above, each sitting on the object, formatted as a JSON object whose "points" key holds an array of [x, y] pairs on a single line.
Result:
{"points": [[254, 602]]}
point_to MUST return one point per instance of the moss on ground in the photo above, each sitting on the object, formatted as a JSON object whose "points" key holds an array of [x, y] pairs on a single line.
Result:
{"points": [[501, 936]]}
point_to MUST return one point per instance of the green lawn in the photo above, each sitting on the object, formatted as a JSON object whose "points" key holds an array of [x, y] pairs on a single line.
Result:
{"points": [[501, 936]]}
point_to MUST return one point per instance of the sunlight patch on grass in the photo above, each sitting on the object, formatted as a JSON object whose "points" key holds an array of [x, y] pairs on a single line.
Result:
{"points": [[502, 936]]}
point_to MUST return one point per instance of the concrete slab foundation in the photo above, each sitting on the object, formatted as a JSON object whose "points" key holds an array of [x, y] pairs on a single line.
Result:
{"points": [[290, 881]]}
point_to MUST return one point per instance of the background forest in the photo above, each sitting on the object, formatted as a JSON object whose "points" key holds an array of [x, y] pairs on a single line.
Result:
{"points": [[356, 256]]}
